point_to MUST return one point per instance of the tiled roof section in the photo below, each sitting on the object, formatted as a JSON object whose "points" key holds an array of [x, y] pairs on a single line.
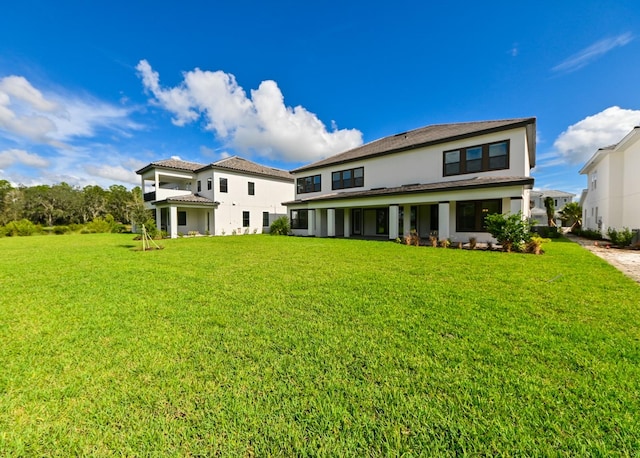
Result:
{"points": [[177, 164], [472, 183], [189, 198], [424, 136], [243, 165]]}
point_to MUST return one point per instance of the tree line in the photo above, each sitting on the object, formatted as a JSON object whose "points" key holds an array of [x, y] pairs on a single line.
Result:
{"points": [[63, 204]]}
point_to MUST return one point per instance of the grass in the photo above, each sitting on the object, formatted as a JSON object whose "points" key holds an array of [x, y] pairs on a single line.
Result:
{"points": [[258, 345]]}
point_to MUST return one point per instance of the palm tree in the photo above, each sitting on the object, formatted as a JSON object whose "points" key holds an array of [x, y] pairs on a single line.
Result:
{"points": [[572, 212]]}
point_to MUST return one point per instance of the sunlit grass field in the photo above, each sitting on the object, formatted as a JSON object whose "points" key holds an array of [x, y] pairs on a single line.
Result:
{"points": [[259, 345]]}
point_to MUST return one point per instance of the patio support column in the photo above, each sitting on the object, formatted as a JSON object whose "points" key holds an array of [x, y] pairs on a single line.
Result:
{"points": [[173, 221], [311, 222], [347, 222], [331, 222], [394, 217], [158, 217], [443, 220], [406, 219], [516, 205]]}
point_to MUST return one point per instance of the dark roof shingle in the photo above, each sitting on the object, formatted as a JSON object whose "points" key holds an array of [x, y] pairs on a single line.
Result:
{"points": [[429, 135]]}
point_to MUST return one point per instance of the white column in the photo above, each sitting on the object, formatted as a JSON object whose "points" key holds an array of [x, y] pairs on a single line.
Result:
{"points": [[331, 222], [516, 205], [311, 222], [173, 221], [406, 219], [443, 221], [347, 222], [394, 216], [318, 222], [158, 217]]}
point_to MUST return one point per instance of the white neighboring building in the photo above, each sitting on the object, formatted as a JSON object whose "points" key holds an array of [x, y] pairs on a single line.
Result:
{"points": [[539, 211], [439, 180], [612, 197], [231, 195]]}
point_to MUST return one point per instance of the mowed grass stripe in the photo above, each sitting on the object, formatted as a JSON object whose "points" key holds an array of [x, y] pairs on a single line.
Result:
{"points": [[292, 346]]}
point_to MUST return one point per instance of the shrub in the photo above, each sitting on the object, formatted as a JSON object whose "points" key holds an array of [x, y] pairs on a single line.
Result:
{"points": [[534, 245], [412, 238], [59, 230], [97, 226], [280, 226], [21, 228], [511, 231], [588, 234], [620, 238]]}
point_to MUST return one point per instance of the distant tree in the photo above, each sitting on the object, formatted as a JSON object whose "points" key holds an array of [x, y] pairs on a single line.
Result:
{"points": [[551, 210], [572, 214], [5, 187], [94, 203], [13, 209], [118, 202]]}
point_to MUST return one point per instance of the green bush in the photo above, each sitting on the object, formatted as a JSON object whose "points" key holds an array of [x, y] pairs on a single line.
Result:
{"points": [[620, 238], [588, 234], [21, 228], [280, 226], [59, 230], [511, 231]]}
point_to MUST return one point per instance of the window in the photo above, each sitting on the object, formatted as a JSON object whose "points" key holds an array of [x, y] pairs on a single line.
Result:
{"points": [[470, 215], [299, 219], [182, 218], [223, 185], [245, 219], [199, 186], [209, 184], [382, 221], [352, 178], [265, 219], [594, 180], [252, 188], [481, 158], [308, 184]]}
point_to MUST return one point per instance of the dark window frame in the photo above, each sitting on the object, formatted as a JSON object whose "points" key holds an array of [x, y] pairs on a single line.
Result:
{"points": [[465, 165], [345, 179], [479, 214], [209, 184], [182, 218], [298, 221], [224, 185], [251, 188], [199, 186], [265, 219], [312, 183], [246, 219]]}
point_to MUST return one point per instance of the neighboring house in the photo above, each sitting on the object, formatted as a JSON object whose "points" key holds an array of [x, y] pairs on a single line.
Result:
{"points": [[231, 195], [612, 197], [439, 180], [539, 211]]}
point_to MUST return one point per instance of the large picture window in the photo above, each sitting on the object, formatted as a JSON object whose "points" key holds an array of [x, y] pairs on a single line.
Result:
{"points": [[299, 219], [309, 184], [473, 159], [470, 214], [352, 178]]}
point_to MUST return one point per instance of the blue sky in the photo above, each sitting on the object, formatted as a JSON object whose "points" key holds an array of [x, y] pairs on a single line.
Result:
{"points": [[92, 91]]}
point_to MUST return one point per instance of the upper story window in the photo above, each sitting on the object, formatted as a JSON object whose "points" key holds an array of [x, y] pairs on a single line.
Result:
{"points": [[223, 185], [480, 158], [594, 180], [209, 184], [309, 184], [252, 188], [352, 178], [199, 186]]}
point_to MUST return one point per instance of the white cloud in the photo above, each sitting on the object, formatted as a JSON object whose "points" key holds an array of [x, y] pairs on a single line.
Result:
{"points": [[578, 143], [591, 53], [114, 173], [12, 157], [26, 114], [261, 123]]}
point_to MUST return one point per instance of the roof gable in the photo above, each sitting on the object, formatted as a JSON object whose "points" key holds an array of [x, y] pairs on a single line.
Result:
{"points": [[239, 164], [426, 136]]}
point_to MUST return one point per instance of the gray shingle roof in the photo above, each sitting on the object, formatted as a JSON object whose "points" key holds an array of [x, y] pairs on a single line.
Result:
{"points": [[242, 165], [471, 183], [188, 198], [425, 136], [235, 163]]}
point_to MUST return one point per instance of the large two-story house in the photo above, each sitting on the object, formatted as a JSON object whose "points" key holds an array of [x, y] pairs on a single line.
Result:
{"points": [[539, 211], [612, 196], [230, 196], [439, 180]]}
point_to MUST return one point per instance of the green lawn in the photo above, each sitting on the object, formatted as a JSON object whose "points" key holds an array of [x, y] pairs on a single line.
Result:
{"points": [[258, 345]]}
